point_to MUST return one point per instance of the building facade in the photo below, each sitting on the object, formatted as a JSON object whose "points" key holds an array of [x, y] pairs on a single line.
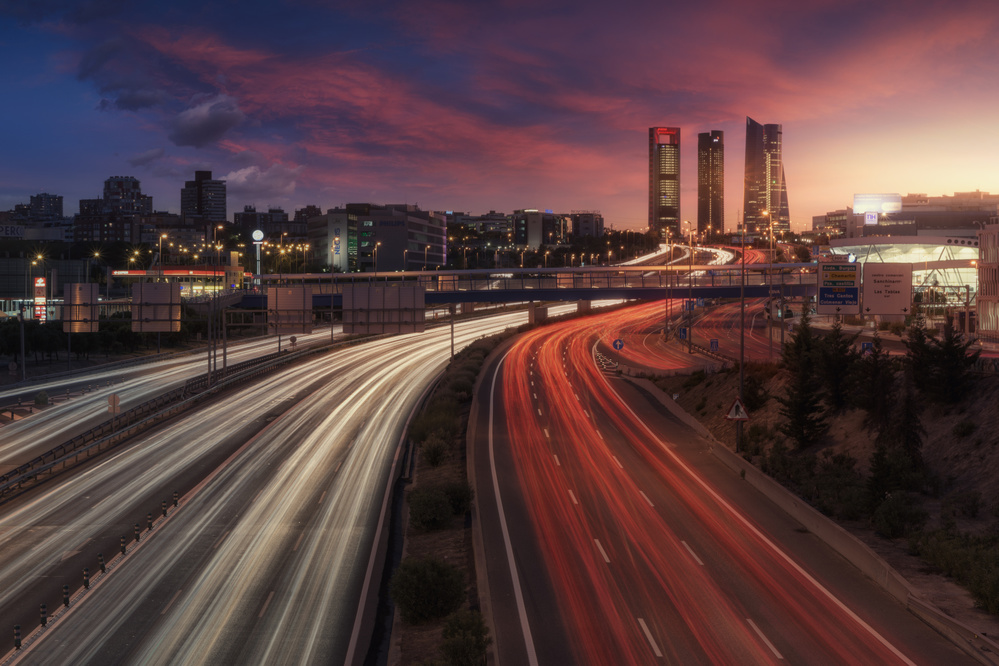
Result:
{"points": [[363, 237], [115, 217], [587, 223], [988, 283], [664, 181], [711, 182], [533, 228], [204, 197], [765, 193]]}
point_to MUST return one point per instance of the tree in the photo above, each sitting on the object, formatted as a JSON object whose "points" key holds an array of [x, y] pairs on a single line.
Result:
{"points": [[951, 377], [837, 357], [919, 353], [874, 379], [801, 405]]}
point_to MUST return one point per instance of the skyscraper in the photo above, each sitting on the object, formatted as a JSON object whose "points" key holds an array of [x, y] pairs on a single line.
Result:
{"points": [[766, 187], [204, 198], [711, 181], [664, 181]]}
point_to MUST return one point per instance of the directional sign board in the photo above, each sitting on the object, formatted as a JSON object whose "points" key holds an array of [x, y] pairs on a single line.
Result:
{"points": [[681, 333], [887, 289], [839, 289], [619, 344], [866, 348], [713, 344]]}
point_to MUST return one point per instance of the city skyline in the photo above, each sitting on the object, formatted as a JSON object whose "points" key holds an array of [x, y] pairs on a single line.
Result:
{"points": [[493, 107]]}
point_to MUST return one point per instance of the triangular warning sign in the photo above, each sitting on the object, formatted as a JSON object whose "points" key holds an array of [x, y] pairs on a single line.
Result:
{"points": [[737, 412]]}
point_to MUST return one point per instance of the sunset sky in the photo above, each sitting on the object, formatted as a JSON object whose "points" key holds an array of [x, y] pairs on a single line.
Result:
{"points": [[480, 106]]}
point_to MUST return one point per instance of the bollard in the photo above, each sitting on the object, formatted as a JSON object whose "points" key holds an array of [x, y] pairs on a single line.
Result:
{"points": [[86, 578], [65, 595], [149, 521], [123, 545], [17, 637], [100, 562], [136, 530], [175, 495], [163, 506], [44, 613]]}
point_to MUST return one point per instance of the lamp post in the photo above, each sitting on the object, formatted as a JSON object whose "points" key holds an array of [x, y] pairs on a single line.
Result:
{"points": [[770, 285], [690, 289], [159, 257], [377, 245], [742, 338], [425, 257]]}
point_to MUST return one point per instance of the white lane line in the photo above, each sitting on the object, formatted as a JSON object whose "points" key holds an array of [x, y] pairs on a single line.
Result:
{"points": [[322, 497], [266, 604], [648, 636], [535, 396], [556, 460], [547, 436], [167, 607], [602, 551], [692, 553], [618, 462], [539, 411], [764, 638], [573, 498], [646, 497], [586, 414], [298, 543], [577, 397], [738, 516], [518, 594]]}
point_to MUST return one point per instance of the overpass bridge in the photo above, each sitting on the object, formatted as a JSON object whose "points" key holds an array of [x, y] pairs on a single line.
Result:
{"points": [[518, 285]]}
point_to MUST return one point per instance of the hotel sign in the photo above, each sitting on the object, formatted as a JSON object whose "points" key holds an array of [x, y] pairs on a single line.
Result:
{"points": [[839, 289]]}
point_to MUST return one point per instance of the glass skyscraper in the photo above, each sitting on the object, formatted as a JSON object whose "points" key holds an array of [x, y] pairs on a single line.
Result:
{"points": [[664, 181], [711, 181], [766, 187]]}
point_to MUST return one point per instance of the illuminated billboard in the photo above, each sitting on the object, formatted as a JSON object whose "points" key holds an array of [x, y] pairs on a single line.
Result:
{"points": [[879, 204]]}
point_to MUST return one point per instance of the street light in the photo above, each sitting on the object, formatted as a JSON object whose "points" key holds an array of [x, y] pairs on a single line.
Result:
{"points": [[425, 257], [376, 255], [690, 289], [159, 256], [770, 284]]}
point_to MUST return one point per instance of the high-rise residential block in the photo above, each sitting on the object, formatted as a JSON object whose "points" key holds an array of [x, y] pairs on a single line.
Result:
{"points": [[664, 181], [711, 181], [204, 197], [765, 194]]}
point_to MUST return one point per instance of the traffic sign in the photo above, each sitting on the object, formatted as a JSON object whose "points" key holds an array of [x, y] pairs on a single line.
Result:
{"points": [[713, 344], [737, 412], [887, 288], [866, 348], [839, 289], [700, 302], [114, 404], [618, 344], [681, 334]]}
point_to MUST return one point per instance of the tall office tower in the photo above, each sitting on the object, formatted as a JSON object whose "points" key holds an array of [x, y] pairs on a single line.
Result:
{"points": [[766, 187], [664, 181], [204, 198], [711, 181]]}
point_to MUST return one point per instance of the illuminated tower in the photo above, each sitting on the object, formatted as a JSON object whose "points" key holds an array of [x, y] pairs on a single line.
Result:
{"points": [[664, 181], [766, 187], [711, 181]]}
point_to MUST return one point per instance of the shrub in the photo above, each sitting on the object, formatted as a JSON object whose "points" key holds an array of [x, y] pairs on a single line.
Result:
{"points": [[427, 589], [41, 398], [435, 450], [694, 379], [963, 429], [899, 515], [429, 508], [754, 392], [459, 496], [466, 639]]}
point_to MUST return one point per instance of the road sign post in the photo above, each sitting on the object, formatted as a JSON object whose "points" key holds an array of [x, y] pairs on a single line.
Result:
{"points": [[838, 289]]}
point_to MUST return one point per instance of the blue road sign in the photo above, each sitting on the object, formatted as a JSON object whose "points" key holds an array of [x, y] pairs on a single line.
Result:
{"points": [[682, 334], [866, 347], [618, 344], [700, 302], [714, 344]]}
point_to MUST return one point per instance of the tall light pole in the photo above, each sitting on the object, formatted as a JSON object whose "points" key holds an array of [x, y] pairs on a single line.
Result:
{"points": [[425, 257], [690, 289], [742, 339], [770, 285], [159, 256], [376, 255]]}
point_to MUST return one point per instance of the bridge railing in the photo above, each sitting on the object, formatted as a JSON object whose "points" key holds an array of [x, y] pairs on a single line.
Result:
{"points": [[594, 277]]}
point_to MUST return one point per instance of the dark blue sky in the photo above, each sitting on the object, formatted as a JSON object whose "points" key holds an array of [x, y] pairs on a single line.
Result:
{"points": [[500, 105]]}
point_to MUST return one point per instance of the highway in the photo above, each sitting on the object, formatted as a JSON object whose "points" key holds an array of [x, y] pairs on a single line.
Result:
{"points": [[24, 439], [264, 560], [623, 540]]}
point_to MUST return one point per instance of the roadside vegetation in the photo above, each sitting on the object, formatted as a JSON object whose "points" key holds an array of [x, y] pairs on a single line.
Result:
{"points": [[890, 442]]}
